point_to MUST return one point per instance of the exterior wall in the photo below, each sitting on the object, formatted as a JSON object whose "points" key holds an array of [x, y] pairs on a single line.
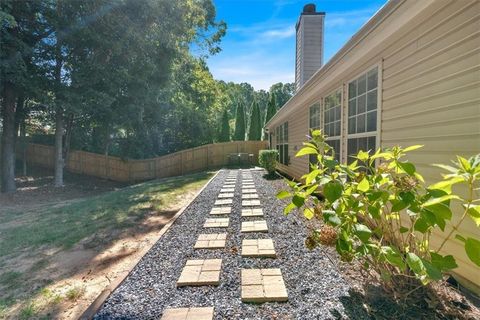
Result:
{"points": [[428, 53]]}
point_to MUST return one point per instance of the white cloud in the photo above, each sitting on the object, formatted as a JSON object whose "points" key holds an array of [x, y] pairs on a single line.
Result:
{"points": [[282, 33]]}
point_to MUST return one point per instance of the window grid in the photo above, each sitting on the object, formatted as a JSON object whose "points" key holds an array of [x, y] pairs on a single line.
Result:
{"points": [[315, 116], [332, 121], [281, 133], [362, 113]]}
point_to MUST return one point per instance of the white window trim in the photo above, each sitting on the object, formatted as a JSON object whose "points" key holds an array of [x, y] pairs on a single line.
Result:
{"points": [[377, 132], [319, 103]]}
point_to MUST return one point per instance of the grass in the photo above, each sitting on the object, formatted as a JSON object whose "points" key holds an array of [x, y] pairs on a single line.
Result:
{"points": [[63, 225]]}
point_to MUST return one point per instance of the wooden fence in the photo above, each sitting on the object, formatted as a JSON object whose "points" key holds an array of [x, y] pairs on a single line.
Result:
{"points": [[113, 168]]}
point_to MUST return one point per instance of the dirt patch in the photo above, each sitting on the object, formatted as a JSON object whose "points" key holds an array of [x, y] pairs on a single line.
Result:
{"points": [[37, 189]]}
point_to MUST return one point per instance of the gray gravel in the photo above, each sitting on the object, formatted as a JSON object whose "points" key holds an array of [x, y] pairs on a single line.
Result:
{"points": [[315, 289]]}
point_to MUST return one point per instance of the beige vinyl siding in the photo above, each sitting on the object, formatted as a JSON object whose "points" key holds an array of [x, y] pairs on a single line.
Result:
{"points": [[428, 54]]}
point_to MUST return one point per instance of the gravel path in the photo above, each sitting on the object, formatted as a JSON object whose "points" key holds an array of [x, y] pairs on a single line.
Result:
{"points": [[315, 289]]}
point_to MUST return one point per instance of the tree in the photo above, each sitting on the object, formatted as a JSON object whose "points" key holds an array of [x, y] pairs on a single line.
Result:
{"points": [[239, 134], [255, 128], [224, 128], [271, 110], [283, 92]]}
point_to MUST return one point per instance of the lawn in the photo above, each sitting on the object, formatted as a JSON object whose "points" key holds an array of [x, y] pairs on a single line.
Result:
{"points": [[32, 239]]}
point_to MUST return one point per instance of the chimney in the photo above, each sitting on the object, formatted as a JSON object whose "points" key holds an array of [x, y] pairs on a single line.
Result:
{"points": [[309, 46]]}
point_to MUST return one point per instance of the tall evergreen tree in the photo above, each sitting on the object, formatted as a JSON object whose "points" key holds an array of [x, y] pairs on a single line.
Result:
{"points": [[255, 129], [239, 134], [224, 128], [271, 110]]}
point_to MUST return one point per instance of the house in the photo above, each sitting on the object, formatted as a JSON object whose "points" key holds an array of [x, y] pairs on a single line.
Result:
{"points": [[410, 75]]}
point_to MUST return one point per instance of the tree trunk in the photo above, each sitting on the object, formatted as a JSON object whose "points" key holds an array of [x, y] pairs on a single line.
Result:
{"points": [[8, 140], [58, 182]]}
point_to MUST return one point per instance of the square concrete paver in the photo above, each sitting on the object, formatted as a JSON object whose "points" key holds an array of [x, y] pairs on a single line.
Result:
{"points": [[200, 272], [252, 212], [211, 241], [254, 226], [225, 195], [221, 210], [223, 202], [258, 248], [249, 196], [226, 190], [263, 285], [250, 203], [216, 223], [249, 190], [205, 313]]}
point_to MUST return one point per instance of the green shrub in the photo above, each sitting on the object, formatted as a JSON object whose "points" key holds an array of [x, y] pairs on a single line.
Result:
{"points": [[378, 210], [268, 160]]}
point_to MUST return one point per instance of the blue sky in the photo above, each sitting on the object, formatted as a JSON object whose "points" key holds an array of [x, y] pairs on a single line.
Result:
{"points": [[259, 47]]}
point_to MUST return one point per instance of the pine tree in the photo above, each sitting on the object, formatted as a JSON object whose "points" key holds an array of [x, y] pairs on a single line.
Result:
{"points": [[239, 134], [271, 110], [255, 129], [224, 128]]}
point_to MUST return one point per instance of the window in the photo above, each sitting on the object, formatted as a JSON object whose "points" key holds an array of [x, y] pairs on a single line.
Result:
{"points": [[362, 113], [314, 124], [281, 133], [332, 121]]}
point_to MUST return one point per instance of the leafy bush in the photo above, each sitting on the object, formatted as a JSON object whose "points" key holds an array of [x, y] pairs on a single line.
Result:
{"points": [[378, 210], [268, 160]]}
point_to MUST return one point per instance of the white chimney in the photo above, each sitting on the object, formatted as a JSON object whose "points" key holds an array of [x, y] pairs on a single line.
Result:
{"points": [[309, 51]]}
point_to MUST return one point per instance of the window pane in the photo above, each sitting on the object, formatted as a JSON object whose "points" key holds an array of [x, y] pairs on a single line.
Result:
{"points": [[361, 123], [372, 100], [361, 103], [352, 89], [372, 121], [351, 125], [352, 107], [351, 149], [362, 145], [337, 128], [337, 113], [371, 143], [372, 79], [362, 84]]}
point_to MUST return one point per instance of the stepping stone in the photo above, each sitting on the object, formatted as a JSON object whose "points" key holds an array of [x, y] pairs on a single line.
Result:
{"points": [[254, 226], [221, 210], [225, 195], [250, 203], [227, 190], [200, 272], [188, 314], [223, 202], [250, 196], [249, 191], [258, 248], [263, 285], [216, 223], [252, 212], [211, 241]]}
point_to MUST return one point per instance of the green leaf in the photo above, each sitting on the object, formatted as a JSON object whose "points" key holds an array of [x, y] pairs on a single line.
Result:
{"points": [[331, 218], [306, 150], [283, 194], [362, 156], [289, 208], [298, 200], [362, 232], [421, 225], [415, 263], [432, 272], [441, 210], [465, 164], [398, 205], [311, 176], [408, 167], [446, 184], [332, 191], [445, 167], [472, 247], [441, 199], [474, 213], [459, 237], [308, 213], [393, 256], [443, 263], [411, 148], [403, 229], [363, 186]]}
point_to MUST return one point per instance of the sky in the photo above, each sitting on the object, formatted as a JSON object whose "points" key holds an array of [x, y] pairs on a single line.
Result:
{"points": [[259, 47]]}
